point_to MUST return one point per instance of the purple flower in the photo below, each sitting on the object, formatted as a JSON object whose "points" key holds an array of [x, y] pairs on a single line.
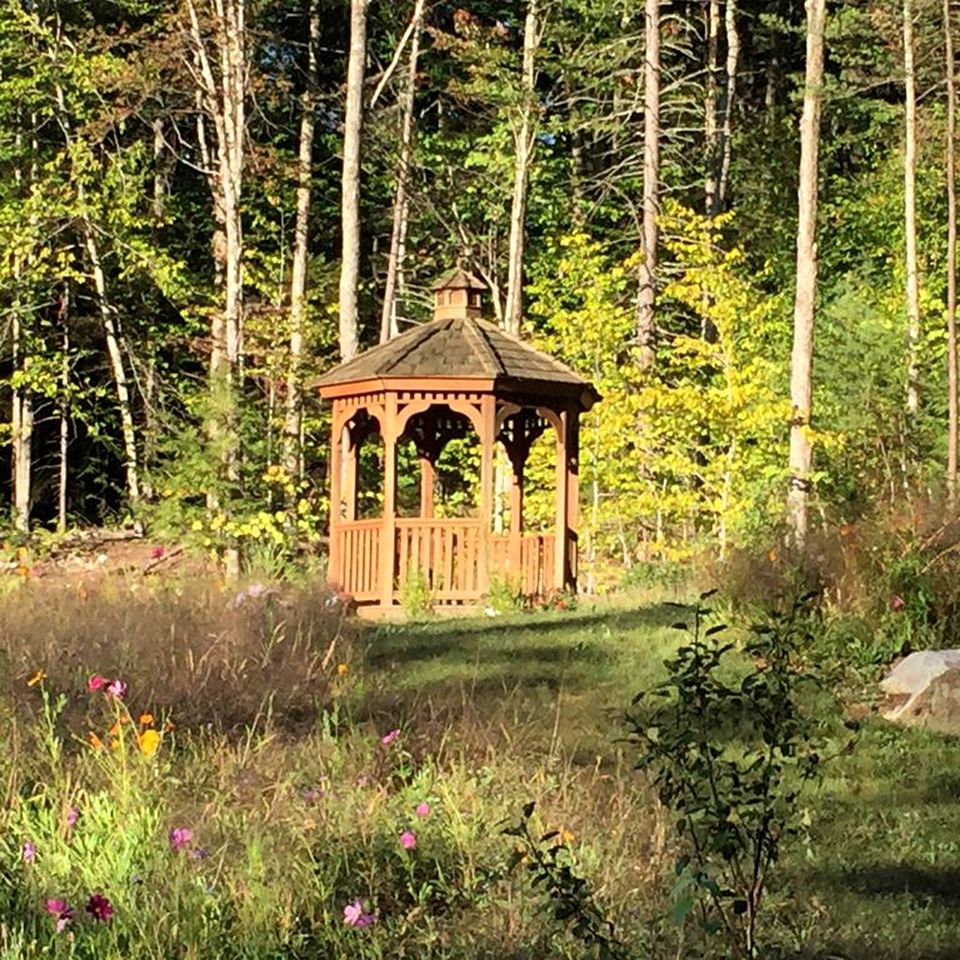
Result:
{"points": [[388, 738], [354, 916], [180, 837], [62, 911], [422, 810], [29, 852], [117, 689], [73, 815], [198, 854], [408, 839], [99, 907]]}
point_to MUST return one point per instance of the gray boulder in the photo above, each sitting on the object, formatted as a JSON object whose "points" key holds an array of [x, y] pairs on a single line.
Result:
{"points": [[924, 688]]}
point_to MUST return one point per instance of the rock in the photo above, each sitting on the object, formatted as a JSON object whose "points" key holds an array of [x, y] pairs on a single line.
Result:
{"points": [[924, 688]]}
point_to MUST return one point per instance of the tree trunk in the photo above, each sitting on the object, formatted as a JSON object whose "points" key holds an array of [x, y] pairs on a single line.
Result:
{"points": [[801, 368], [523, 138], [712, 152], [910, 211], [292, 457], [22, 427], [733, 61], [223, 100], [350, 184], [395, 264], [646, 300], [64, 410], [951, 165]]}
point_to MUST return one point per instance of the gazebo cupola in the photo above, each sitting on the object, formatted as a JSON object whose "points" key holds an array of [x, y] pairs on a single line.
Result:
{"points": [[438, 381]]}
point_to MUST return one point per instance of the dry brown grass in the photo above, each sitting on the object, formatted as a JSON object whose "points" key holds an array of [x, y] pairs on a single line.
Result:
{"points": [[185, 648]]}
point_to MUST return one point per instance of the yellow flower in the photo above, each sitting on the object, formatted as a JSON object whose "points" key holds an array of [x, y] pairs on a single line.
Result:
{"points": [[342, 669], [38, 677], [149, 742], [114, 744], [567, 836]]}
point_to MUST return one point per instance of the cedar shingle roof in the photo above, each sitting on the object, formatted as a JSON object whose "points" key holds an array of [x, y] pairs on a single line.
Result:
{"points": [[459, 347]]}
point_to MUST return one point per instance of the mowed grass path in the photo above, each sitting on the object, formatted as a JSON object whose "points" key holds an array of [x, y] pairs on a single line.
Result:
{"points": [[876, 876]]}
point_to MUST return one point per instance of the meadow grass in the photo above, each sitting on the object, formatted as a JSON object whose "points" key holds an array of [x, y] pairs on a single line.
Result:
{"points": [[294, 818]]}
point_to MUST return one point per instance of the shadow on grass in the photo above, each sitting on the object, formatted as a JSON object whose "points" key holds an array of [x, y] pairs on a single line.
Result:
{"points": [[901, 879]]}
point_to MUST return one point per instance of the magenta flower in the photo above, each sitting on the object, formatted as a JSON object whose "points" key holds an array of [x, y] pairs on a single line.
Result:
{"points": [[96, 682], [73, 815], [408, 839], [62, 911], [422, 810], [897, 603], [388, 738], [180, 837], [99, 907], [157, 552], [354, 916], [117, 689], [29, 852]]}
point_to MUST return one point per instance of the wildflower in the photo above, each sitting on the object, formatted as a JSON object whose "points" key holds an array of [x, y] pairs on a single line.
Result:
{"points": [[198, 854], [180, 837], [95, 741], [157, 552], [422, 810], [408, 839], [567, 836], [146, 720], [73, 814], [99, 907], [342, 669], [117, 689], [38, 677], [897, 603], [96, 682], [62, 911], [29, 852], [388, 738], [354, 916], [149, 742]]}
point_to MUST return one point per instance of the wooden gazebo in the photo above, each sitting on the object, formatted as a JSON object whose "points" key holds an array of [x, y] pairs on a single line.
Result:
{"points": [[431, 384]]}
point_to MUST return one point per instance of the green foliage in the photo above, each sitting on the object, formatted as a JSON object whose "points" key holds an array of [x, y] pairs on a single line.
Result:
{"points": [[730, 756], [416, 596]]}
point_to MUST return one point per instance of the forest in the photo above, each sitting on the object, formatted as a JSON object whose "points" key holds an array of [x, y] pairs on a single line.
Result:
{"points": [[204, 205]]}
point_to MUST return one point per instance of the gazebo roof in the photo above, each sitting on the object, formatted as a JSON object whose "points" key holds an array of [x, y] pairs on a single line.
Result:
{"points": [[461, 348]]}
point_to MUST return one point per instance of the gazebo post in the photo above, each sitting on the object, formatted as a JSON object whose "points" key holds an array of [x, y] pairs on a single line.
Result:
{"points": [[516, 518], [388, 535], [336, 467], [563, 502], [488, 433], [427, 477], [573, 495], [351, 456]]}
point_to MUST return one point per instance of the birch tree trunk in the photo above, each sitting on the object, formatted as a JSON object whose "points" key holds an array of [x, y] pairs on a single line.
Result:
{"points": [[64, 409], [646, 300], [733, 63], [393, 292], [711, 94], [523, 139], [951, 165], [291, 457], [350, 184], [222, 96], [910, 210], [801, 367]]}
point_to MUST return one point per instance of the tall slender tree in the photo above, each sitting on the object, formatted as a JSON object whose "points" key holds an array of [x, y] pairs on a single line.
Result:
{"points": [[804, 309], [910, 210], [950, 158], [646, 300]]}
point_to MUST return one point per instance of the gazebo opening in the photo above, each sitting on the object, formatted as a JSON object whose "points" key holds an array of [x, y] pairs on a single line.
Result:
{"points": [[458, 405]]}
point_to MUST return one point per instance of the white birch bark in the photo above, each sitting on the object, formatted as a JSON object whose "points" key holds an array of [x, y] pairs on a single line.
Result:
{"points": [[910, 210], [733, 63], [801, 367]]}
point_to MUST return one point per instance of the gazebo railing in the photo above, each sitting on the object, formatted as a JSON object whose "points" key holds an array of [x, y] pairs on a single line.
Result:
{"points": [[449, 553]]}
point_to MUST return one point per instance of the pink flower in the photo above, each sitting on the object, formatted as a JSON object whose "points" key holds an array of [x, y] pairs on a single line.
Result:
{"points": [[73, 815], [99, 907], [117, 689], [96, 682], [422, 810], [408, 839], [29, 852], [354, 916], [897, 603], [180, 837], [157, 552], [388, 738], [62, 911]]}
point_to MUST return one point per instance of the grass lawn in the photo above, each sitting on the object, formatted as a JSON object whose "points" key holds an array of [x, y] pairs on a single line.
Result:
{"points": [[277, 755]]}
